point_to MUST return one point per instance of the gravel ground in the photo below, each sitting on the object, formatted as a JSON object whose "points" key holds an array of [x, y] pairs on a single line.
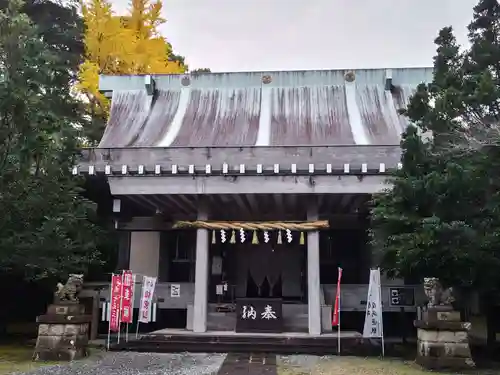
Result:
{"points": [[122, 363], [306, 362]]}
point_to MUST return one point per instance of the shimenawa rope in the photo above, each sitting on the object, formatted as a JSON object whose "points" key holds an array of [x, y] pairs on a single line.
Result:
{"points": [[264, 225]]}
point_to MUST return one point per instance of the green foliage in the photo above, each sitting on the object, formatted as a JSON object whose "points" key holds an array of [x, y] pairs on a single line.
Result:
{"points": [[46, 226], [61, 28], [442, 215]]}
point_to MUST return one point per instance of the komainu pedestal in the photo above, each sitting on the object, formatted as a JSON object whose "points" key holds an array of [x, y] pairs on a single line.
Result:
{"points": [[443, 340], [63, 331]]}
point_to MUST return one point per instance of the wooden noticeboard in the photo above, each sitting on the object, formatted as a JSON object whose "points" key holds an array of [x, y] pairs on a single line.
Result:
{"points": [[259, 315]]}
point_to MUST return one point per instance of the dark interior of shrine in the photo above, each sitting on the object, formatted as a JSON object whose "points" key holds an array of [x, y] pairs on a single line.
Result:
{"points": [[339, 247]]}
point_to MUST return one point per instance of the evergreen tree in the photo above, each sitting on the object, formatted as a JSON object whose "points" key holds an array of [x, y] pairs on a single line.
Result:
{"points": [[482, 66], [45, 226], [441, 217], [61, 28]]}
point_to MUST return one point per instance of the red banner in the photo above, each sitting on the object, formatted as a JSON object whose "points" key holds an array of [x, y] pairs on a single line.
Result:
{"points": [[114, 314], [336, 309], [127, 296]]}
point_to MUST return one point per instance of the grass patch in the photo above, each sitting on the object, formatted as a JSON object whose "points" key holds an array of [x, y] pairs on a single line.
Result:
{"points": [[372, 366], [17, 358], [365, 366]]}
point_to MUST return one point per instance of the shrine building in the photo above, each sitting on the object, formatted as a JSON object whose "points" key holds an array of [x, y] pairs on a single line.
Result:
{"points": [[244, 192]]}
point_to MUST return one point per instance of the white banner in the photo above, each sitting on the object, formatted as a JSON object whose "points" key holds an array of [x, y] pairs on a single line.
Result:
{"points": [[148, 289], [373, 319]]}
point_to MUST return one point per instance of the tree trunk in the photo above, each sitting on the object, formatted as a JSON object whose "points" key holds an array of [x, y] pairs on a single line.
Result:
{"points": [[491, 311]]}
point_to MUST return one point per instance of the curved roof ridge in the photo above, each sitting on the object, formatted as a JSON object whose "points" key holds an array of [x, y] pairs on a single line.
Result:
{"points": [[400, 76]]}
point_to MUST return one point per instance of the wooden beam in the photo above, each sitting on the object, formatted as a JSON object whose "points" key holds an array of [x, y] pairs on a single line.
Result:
{"points": [[145, 223], [280, 205], [291, 200], [160, 204], [201, 185], [185, 200], [345, 203], [174, 201], [139, 200], [252, 201], [239, 198], [220, 203], [251, 157]]}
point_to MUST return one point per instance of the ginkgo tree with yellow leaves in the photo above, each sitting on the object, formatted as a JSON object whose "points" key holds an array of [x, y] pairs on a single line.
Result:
{"points": [[128, 44]]}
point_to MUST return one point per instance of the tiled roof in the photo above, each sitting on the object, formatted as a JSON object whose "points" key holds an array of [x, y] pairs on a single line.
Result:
{"points": [[260, 108]]}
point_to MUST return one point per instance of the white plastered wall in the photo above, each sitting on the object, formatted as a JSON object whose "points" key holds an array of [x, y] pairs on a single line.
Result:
{"points": [[145, 253]]}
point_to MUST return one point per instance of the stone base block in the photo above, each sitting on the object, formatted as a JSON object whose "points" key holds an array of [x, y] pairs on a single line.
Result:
{"points": [[443, 349], [66, 309], [61, 341], [442, 336], [441, 314], [64, 319], [443, 345], [442, 325]]}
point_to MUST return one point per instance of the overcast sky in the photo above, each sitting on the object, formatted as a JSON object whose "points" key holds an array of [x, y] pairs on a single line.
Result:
{"points": [[244, 35]]}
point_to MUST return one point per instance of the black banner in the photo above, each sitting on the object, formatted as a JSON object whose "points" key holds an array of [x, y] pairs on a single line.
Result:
{"points": [[259, 315]]}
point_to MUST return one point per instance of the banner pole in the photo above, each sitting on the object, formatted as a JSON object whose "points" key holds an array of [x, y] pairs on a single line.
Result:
{"points": [[141, 302], [338, 332], [109, 319], [339, 278], [120, 311], [127, 324], [381, 312], [131, 305]]}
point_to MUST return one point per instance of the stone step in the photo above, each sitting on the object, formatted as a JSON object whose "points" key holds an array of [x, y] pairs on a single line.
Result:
{"points": [[220, 321], [212, 307], [234, 343], [293, 309], [299, 321]]}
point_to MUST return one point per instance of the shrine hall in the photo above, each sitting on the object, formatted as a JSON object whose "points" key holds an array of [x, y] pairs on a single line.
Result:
{"points": [[243, 193]]}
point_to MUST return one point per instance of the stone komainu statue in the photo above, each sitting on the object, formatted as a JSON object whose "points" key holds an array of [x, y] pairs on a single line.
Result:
{"points": [[436, 294], [69, 291]]}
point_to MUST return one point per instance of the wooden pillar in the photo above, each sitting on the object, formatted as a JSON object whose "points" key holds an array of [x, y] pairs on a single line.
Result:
{"points": [[201, 274], [313, 281]]}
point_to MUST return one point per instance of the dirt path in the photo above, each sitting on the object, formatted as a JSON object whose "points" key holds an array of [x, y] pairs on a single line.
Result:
{"points": [[249, 364]]}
